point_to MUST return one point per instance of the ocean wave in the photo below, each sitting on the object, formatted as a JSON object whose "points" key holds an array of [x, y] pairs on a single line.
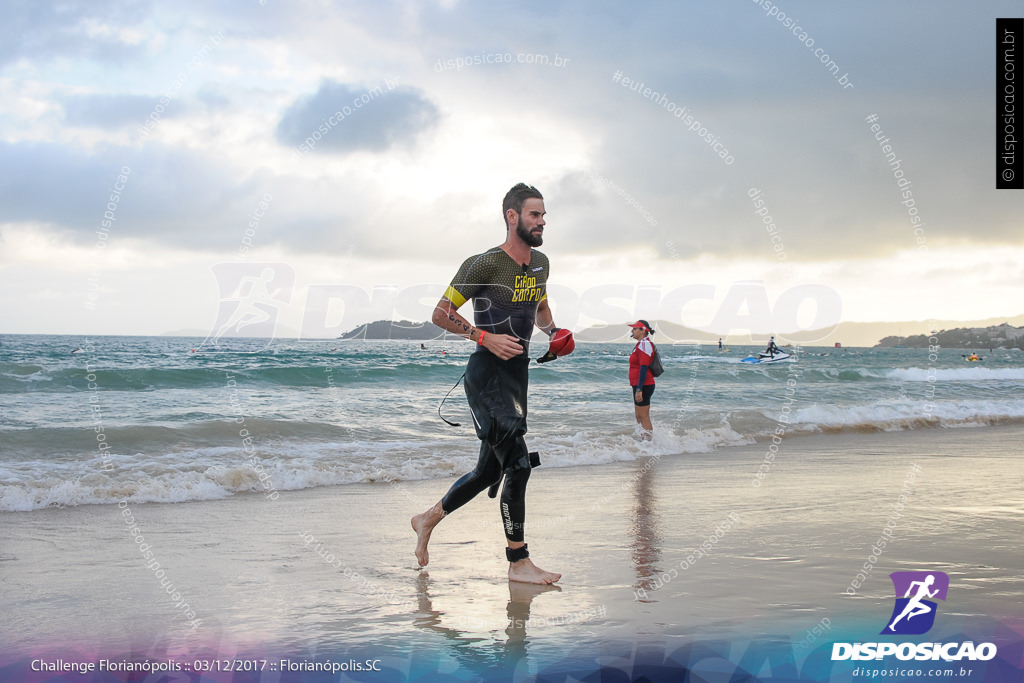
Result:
{"points": [[901, 415], [183, 473], [50, 443], [155, 379], [329, 414], [972, 374], [214, 473], [358, 369], [190, 474]]}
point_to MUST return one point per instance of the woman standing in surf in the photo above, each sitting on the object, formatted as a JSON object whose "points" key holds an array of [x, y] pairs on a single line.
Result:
{"points": [[641, 379]]}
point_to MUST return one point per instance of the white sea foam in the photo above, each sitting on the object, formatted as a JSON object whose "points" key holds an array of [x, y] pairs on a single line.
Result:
{"points": [[970, 374], [218, 472], [898, 415], [215, 473]]}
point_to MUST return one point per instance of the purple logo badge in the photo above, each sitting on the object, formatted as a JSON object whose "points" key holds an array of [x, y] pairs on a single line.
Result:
{"points": [[914, 612]]}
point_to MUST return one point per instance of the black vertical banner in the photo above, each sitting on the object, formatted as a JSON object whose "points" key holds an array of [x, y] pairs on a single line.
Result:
{"points": [[1009, 135]]}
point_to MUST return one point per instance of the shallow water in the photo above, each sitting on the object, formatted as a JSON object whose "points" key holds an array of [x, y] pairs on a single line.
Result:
{"points": [[146, 419]]}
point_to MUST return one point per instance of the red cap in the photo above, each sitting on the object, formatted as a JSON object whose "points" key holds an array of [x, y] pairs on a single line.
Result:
{"points": [[643, 324]]}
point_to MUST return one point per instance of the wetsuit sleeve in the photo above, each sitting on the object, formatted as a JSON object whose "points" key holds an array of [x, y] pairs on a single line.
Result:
{"points": [[474, 273]]}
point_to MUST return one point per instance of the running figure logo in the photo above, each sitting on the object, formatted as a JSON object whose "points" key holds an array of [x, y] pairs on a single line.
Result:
{"points": [[251, 297], [913, 614]]}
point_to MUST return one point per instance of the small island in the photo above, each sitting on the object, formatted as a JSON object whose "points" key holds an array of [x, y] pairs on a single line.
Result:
{"points": [[392, 329], [995, 336]]}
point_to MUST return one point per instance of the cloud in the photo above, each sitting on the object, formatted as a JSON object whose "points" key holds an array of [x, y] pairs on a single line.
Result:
{"points": [[48, 183], [342, 118], [621, 174], [44, 31], [111, 111], [184, 198], [172, 195]]}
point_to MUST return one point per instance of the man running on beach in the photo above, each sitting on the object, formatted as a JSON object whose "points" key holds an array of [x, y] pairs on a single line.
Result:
{"points": [[508, 286]]}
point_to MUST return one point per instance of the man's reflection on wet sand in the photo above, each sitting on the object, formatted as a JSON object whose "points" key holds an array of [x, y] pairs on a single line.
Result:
{"points": [[473, 645]]}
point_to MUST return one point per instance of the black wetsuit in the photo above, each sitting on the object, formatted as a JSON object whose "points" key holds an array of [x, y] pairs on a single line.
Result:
{"points": [[505, 299]]}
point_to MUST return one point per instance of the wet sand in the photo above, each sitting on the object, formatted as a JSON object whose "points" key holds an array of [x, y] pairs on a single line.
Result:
{"points": [[655, 554]]}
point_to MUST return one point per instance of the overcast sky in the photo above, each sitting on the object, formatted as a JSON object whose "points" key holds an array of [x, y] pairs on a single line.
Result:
{"points": [[366, 147]]}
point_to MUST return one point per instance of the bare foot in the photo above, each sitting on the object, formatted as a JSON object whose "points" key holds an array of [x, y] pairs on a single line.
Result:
{"points": [[526, 571], [524, 593], [423, 524]]}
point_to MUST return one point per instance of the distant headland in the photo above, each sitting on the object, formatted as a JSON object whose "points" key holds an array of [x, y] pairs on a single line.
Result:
{"points": [[1004, 335], [995, 336], [391, 329]]}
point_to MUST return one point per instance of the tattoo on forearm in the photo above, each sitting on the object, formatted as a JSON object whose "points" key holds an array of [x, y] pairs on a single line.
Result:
{"points": [[465, 327]]}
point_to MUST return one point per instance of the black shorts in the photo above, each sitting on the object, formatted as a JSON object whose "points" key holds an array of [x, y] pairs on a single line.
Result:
{"points": [[496, 390], [647, 393]]}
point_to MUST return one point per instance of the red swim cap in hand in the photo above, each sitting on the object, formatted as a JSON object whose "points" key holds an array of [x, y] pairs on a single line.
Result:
{"points": [[562, 343]]}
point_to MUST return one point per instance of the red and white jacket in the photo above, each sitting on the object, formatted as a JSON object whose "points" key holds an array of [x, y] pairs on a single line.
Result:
{"points": [[642, 353]]}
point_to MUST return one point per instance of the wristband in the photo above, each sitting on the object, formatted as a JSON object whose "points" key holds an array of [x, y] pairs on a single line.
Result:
{"points": [[480, 339]]}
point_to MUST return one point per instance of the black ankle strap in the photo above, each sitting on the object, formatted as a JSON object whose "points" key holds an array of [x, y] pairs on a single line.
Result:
{"points": [[514, 555]]}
